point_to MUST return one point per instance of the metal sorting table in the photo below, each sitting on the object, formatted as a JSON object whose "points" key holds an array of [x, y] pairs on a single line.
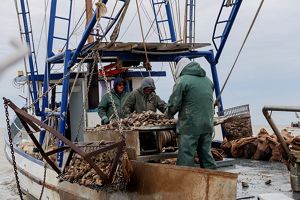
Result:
{"points": [[134, 145]]}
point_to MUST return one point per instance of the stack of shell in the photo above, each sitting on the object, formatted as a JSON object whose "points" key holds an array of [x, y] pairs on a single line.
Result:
{"points": [[238, 127], [295, 148], [28, 147], [134, 120], [79, 171], [263, 147]]}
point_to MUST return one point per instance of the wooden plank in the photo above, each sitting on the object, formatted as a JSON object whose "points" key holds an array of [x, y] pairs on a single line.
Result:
{"points": [[153, 46]]}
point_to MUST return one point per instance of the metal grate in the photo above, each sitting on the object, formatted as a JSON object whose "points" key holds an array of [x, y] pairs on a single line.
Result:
{"points": [[235, 111]]}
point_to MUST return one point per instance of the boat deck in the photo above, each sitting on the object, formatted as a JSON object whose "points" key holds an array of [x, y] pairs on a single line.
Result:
{"points": [[256, 174]]}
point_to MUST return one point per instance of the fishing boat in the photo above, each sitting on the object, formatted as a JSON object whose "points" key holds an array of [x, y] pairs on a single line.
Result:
{"points": [[63, 98]]}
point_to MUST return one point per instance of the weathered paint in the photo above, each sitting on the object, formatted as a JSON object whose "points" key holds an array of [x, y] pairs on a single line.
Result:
{"points": [[157, 181]]}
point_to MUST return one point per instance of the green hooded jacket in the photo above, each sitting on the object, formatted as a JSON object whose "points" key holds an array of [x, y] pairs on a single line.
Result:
{"points": [[139, 102], [105, 107], [192, 97]]}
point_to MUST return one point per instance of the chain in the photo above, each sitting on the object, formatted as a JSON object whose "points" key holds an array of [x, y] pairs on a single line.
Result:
{"points": [[12, 150], [58, 82], [44, 180], [120, 127], [86, 96]]}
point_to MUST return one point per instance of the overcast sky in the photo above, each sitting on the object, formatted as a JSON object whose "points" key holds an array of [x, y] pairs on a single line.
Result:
{"points": [[267, 72]]}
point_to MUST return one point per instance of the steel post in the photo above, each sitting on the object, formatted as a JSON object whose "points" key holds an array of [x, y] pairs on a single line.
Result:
{"points": [[268, 117], [85, 36], [51, 28], [191, 21], [214, 73], [170, 22], [45, 102]]}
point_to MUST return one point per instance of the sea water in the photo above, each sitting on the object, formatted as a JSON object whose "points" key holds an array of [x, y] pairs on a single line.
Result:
{"points": [[8, 189]]}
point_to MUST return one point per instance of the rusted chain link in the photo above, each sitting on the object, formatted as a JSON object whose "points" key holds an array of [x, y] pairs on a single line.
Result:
{"points": [[12, 150], [44, 180]]}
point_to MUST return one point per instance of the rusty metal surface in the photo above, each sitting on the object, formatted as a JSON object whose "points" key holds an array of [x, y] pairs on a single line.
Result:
{"points": [[28, 120], [156, 181]]}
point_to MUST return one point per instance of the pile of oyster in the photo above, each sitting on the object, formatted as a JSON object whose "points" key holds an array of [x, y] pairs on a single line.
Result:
{"points": [[265, 146], [146, 118], [238, 127], [80, 172]]}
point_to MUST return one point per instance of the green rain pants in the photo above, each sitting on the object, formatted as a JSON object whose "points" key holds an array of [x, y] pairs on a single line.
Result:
{"points": [[189, 144]]}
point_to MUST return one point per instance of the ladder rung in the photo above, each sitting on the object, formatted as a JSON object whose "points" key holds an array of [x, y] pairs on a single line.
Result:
{"points": [[160, 2], [63, 18], [20, 13], [94, 34], [59, 38], [161, 21], [26, 32], [105, 17], [224, 21], [218, 37], [225, 5], [188, 20], [165, 39]]}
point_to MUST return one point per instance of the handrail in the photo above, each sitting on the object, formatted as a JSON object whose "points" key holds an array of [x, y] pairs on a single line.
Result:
{"points": [[268, 117]]}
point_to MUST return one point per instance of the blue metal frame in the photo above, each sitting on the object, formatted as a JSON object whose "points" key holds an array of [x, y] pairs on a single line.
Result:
{"points": [[64, 104], [229, 22], [32, 65], [169, 20], [47, 71], [211, 59], [45, 102], [58, 76], [71, 57], [82, 41]]}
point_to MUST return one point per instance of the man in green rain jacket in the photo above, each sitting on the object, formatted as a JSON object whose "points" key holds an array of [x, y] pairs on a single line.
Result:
{"points": [[144, 99], [192, 97], [119, 95]]}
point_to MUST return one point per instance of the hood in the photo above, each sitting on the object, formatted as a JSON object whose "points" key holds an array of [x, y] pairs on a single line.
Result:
{"points": [[193, 69], [119, 80], [180, 65], [147, 82]]}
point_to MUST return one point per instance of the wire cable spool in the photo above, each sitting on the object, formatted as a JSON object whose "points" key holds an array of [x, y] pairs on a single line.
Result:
{"points": [[166, 138]]}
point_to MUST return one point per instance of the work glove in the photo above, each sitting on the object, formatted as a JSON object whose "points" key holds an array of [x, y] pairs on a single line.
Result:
{"points": [[167, 115], [104, 120]]}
